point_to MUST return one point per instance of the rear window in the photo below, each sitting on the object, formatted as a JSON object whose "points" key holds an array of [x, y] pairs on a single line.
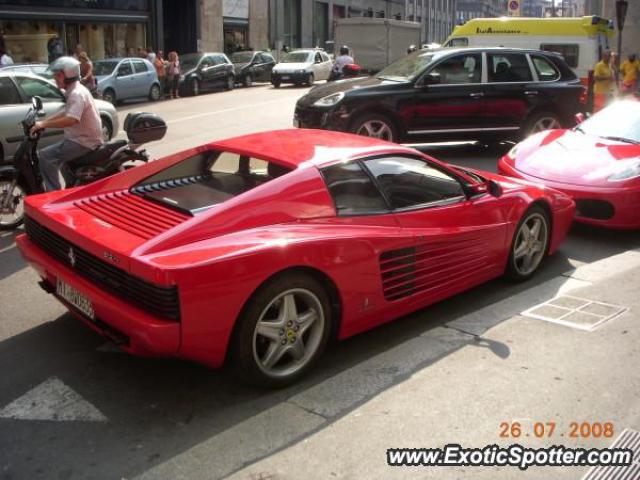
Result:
{"points": [[546, 70], [207, 179], [570, 52]]}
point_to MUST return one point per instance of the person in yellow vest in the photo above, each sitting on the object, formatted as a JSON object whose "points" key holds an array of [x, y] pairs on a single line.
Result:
{"points": [[629, 70], [603, 76]]}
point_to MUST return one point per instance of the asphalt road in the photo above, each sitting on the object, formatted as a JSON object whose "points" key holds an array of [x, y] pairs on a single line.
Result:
{"points": [[74, 407]]}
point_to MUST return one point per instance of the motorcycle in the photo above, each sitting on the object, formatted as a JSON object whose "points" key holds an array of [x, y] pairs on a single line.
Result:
{"points": [[23, 177], [350, 70]]}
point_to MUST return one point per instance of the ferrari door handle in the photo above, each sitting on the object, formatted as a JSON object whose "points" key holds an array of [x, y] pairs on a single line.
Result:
{"points": [[476, 95], [531, 93]]}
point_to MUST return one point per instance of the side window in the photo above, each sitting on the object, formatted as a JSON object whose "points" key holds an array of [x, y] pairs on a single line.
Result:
{"points": [[124, 69], [266, 58], [8, 92], [139, 66], [206, 62], [318, 58], [352, 190], [32, 87], [546, 70], [571, 53], [325, 57], [509, 67], [409, 182], [459, 69]]}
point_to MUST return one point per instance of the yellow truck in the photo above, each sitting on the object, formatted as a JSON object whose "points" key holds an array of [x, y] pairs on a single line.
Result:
{"points": [[580, 40]]}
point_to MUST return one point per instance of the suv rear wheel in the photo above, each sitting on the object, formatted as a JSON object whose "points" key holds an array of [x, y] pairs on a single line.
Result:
{"points": [[541, 121]]}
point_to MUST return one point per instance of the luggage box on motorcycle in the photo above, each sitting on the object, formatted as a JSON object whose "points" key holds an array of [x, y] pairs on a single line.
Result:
{"points": [[143, 127]]}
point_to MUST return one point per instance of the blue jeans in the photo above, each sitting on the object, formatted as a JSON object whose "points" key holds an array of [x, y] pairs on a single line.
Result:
{"points": [[52, 159]]}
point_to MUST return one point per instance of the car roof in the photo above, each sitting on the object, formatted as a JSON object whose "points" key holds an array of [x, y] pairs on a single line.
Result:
{"points": [[297, 146], [444, 50]]}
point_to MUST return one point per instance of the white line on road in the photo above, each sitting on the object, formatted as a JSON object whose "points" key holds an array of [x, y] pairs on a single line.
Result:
{"points": [[226, 110], [52, 400]]}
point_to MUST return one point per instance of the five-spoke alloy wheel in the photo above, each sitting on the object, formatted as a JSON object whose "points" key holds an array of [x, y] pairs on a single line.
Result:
{"points": [[375, 126], [529, 245]]}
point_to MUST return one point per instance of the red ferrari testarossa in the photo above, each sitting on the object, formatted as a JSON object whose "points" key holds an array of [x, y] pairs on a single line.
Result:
{"points": [[597, 163], [258, 249]]}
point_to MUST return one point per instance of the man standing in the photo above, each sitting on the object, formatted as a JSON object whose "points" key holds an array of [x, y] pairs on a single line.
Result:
{"points": [[79, 119], [629, 70], [603, 76]]}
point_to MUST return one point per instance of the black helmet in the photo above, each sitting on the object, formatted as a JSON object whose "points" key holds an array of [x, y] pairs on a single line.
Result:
{"points": [[344, 50]]}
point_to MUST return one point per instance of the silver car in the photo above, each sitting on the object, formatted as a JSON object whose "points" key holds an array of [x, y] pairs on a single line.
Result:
{"points": [[16, 91], [126, 78]]}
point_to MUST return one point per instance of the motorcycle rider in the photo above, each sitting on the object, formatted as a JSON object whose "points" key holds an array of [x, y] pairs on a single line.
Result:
{"points": [[79, 119], [341, 60]]}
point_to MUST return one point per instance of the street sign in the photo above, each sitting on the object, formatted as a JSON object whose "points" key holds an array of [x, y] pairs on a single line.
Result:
{"points": [[514, 8]]}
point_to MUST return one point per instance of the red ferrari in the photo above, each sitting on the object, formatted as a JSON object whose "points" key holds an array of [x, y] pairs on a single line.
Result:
{"points": [[597, 163], [259, 249]]}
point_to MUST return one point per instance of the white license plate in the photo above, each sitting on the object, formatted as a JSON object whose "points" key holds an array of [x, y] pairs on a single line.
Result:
{"points": [[285, 77], [75, 298], [296, 122]]}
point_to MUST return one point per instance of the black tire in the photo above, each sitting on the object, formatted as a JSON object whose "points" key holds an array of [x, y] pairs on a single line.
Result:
{"points": [[389, 132], [110, 96], [514, 271], [246, 343], [231, 83], [155, 93], [107, 129], [17, 203], [538, 122], [247, 81], [276, 84], [310, 80], [194, 87]]}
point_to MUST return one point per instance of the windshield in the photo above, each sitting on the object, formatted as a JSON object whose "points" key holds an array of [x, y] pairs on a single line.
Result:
{"points": [[241, 57], [407, 68], [297, 57], [619, 121], [189, 61], [104, 67]]}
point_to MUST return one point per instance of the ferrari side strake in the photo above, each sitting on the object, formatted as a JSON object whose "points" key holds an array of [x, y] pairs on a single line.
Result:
{"points": [[256, 251]]}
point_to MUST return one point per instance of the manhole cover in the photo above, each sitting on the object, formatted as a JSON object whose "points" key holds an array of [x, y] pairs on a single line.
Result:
{"points": [[575, 312], [629, 439]]}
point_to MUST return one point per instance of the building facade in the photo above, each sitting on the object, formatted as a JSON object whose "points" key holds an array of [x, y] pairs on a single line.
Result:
{"points": [[468, 9]]}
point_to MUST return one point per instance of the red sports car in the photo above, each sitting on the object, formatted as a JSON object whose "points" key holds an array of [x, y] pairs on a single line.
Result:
{"points": [[597, 163], [259, 249]]}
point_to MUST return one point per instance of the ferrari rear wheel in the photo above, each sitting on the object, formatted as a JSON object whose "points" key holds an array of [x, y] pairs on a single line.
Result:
{"points": [[282, 332], [529, 245]]}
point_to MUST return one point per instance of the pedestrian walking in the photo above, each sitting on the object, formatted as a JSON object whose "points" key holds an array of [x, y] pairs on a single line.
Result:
{"points": [[79, 50], [629, 70], [160, 65], [603, 76], [86, 74], [173, 72], [151, 56], [5, 58]]}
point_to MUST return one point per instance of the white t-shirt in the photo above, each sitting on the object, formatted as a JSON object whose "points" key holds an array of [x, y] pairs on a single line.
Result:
{"points": [[341, 61], [81, 106], [6, 60]]}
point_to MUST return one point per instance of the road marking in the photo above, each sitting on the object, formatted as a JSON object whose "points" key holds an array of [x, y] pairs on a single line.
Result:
{"points": [[52, 400], [226, 110]]}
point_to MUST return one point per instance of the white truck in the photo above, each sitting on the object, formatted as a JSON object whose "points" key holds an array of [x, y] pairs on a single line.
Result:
{"points": [[376, 42]]}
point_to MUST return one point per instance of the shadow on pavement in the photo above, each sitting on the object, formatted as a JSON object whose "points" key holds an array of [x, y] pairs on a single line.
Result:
{"points": [[10, 258]]}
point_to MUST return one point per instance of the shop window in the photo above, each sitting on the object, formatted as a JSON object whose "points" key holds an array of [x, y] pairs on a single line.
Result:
{"points": [[8, 93], [33, 86]]}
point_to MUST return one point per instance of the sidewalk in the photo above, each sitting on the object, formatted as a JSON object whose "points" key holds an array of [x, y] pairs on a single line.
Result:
{"points": [[522, 370]]}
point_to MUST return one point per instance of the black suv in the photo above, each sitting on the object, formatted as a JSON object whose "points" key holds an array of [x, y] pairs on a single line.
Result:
{"points": [[205, 71], [252, 66], [461, 93]]}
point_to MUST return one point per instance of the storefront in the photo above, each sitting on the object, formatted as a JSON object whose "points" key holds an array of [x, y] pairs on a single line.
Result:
{"points": [[34, 30], [235, 25]]}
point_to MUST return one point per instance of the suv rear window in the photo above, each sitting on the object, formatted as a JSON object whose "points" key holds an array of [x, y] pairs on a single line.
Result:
{"points": [[207, 179], [509, 67], [547, 72]]}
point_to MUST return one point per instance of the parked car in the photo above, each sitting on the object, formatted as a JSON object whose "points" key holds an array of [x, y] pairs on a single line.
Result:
{"points": [[205, 71], [258, 249], [451, 93], [597, 163], [126, 78], [16, 92], [302, 66], [40, 69], [252, 66]]}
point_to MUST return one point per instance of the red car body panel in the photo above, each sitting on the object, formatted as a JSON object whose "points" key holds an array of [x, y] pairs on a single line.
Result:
{"points": [[219, 257], [579, 165]]}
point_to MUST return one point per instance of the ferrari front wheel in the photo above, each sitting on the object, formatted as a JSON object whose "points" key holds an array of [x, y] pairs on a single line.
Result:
{"points": [[529, 245], [282, 332]]}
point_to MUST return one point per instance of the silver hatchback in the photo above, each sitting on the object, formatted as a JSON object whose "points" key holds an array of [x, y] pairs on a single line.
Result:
{"points": [[16, 92]]}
